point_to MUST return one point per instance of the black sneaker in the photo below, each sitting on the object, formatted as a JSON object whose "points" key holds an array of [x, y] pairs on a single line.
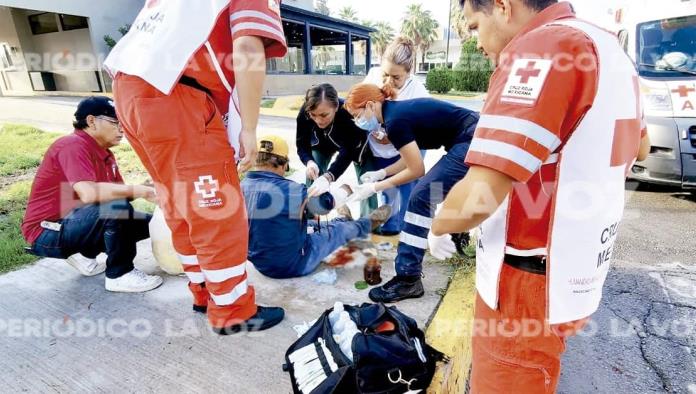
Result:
{"points": [[386, 233], [397, 289], [200, 308], [461, 241], [265, 318]]}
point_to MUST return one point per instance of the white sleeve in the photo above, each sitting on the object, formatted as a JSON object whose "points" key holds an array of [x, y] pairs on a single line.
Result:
{"points": [[419, 90], [413, 90]]}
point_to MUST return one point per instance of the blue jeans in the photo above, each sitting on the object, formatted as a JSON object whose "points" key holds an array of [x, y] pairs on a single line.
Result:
{"points": [[397, 198], [323, 161], [428, 192], [329, 238], [113, 227]]}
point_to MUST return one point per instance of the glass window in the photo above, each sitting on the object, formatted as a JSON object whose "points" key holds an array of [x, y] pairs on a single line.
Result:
{"points": [[293, 61], [328, 51], [359, 49], [5, 57], [73, 22], [667, 47], [43, 23]]}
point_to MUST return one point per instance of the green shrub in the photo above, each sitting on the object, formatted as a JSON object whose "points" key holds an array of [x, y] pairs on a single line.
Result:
{"points": [[439, 80], [473, 71]]}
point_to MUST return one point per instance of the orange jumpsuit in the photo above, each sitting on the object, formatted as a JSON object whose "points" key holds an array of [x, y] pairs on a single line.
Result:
{"points": [[182, 139]]}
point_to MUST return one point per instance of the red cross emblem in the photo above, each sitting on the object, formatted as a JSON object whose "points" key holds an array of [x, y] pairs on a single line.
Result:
{"points": [[528, 72], [683, 91], [206, 186], [627, 136]]}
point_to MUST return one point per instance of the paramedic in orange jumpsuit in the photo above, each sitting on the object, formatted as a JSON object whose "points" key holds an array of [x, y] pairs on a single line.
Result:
{"points": [[506, 138], [181, 136]]}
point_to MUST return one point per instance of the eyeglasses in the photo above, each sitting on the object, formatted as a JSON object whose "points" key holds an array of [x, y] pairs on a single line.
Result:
{"points": [[110, 120]]}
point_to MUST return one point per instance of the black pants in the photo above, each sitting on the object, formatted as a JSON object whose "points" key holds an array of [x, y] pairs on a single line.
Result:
{"points": [[113, 227]]}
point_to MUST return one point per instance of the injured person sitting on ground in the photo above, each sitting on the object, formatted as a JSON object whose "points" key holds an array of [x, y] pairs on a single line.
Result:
{"points": [[279, 211]]}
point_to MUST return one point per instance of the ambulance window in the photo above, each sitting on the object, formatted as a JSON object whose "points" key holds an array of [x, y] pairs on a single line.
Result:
{"points": [[664, 47]]}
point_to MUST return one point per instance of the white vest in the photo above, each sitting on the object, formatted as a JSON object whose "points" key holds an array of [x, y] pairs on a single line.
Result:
{"points": [[588, 202], [163, 38]]}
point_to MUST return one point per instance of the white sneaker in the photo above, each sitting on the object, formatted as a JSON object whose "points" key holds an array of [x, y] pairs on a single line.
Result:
{"points": [[86, 266], [135, 281]]}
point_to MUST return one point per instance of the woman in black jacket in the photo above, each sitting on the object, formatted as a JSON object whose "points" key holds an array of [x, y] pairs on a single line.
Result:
{"points": [[324, 128]]}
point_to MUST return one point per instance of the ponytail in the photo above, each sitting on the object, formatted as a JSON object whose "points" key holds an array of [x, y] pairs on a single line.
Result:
{"points": [[360, 94]]}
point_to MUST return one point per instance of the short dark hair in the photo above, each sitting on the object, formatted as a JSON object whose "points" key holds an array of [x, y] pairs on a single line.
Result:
{"points": [[318, 94], [269, 159], [80, 124], [536, 5]]}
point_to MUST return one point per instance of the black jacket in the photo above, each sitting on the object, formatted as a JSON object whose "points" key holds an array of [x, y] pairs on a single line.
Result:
{"points": [[343, 136]]}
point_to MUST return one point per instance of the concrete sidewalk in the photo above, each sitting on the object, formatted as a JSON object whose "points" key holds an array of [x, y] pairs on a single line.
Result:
{"points": [[64, 333]]}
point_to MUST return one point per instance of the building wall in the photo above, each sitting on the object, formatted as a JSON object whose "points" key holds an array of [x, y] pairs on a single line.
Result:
{"points": [[79, 74], [16, 76], [281, 85], [105, 17], [436, 53]]}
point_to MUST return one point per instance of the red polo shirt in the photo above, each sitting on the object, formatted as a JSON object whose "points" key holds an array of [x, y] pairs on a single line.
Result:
{"points": [[74, 158]]}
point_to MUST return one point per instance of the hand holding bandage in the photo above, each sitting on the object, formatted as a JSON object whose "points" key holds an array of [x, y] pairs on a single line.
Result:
{"points": [[319, 187], [373, 176], [312, 170], [363, 192]]}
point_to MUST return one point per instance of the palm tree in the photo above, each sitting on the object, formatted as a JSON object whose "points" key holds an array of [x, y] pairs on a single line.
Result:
{"points": [[420, 26], [429, 36], [459, 24], [382, 37], [322, 8], [348, 14], [323, 56]]}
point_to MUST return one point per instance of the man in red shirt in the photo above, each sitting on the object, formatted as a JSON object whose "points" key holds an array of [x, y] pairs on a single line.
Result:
{"points": [[188, 79], [79, 203]]}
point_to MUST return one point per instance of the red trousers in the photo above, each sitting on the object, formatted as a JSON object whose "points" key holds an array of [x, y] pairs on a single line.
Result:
{"points": [[182, 141], [515, 350]]}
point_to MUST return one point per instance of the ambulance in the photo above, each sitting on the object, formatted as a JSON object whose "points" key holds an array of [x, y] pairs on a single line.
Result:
{"points": [[660, 36]]}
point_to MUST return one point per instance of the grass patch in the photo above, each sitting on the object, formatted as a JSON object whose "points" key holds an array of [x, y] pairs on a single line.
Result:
{"points": [[21, 151], [268, 102], [463, 94], [13, 201], [22, 148], [143, 205], [129, 165]]}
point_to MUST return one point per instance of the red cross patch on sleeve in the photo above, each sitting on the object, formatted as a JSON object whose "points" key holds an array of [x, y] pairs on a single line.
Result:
{"points": [[526, 80]]}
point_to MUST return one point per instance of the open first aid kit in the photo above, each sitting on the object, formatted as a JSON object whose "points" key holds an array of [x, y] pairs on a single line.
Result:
{"points": [[361, 349]]}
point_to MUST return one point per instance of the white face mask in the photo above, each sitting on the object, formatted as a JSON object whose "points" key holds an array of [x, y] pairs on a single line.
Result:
{"points": [[367, 124]]}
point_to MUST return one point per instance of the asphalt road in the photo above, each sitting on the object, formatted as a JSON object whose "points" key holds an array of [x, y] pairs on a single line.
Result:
{"points": [[643, 337]]}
